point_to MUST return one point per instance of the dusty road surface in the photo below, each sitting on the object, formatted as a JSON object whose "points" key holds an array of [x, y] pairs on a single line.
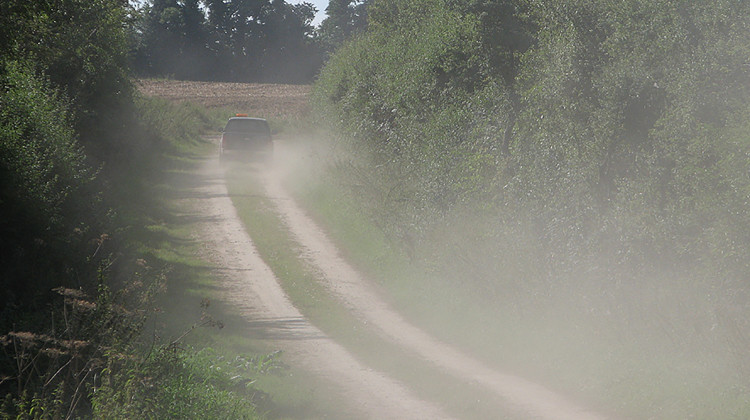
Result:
{"points": [[254, 290]]}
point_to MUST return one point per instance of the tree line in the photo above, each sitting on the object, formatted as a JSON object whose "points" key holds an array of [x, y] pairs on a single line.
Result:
{"points": [[240, 40]]}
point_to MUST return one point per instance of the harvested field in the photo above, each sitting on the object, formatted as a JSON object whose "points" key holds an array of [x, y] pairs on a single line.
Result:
{"points": [[256, 99]]}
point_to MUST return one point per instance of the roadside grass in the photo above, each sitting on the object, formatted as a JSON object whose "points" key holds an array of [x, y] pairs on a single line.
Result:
{"points": [[578, 356], [302, 284]]}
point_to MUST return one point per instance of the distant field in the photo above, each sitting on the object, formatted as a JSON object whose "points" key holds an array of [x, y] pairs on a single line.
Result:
{"points": [[255, 99]]}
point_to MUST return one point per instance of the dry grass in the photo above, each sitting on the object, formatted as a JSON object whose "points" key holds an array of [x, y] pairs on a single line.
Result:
{"points": [[263, 100]]}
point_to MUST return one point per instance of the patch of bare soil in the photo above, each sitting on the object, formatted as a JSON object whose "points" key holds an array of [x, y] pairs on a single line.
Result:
{"points": [[256, 99]]}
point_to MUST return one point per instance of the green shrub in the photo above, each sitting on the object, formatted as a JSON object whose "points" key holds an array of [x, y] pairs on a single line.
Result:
{"points": [[608, 133], [180, 383], [47, 191], [585, 158]]}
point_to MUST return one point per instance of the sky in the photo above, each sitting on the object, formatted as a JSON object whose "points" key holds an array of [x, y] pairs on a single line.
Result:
{"points": [[319, 4]]}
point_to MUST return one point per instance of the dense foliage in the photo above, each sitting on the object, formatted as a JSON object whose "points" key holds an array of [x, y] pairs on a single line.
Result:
{"points": [[228, 40], [45, 188], [62, 81], [77, 153], [82, 49], [345, 19], [585, 157]]}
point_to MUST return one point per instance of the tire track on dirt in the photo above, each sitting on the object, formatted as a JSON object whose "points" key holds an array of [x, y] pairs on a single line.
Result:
{"points": [[252, 288], [353, 291]]}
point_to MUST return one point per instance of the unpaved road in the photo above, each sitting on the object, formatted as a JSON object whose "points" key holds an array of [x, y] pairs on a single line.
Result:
{"points": [[252, 287]]}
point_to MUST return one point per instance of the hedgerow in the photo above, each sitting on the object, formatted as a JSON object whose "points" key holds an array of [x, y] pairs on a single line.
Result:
{"points": [[584, 157], [78, 156]]}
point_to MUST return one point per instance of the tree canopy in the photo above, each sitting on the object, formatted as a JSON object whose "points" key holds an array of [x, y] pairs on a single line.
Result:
{"points": [[229, 40], [572, 111], [345, 18], [586, 155]]}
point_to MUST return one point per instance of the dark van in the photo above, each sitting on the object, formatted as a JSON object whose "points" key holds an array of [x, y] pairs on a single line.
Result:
{"points": [[247, 137]]}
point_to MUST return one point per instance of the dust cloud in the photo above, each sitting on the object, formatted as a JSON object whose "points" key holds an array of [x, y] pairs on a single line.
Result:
{"points": [[482, 299]]}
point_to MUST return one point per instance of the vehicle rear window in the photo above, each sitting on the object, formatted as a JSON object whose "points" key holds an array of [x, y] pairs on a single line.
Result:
{"points": [[247, 126]]}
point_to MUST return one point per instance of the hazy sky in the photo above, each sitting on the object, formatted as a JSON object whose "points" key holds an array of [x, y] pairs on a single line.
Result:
{"points": [[319, 4]]}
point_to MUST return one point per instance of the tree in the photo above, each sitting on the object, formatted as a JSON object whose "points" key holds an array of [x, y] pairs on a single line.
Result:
{"points": [[235, 40], [173, 40], [291, 51], [345, 18]]}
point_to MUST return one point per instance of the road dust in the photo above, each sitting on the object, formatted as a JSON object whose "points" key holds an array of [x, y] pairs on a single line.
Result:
{"points": [[634, 343], [360, 298], [252, 287]]}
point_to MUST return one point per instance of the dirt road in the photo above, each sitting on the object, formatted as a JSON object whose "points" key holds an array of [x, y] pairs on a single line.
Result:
{"points": [[252, 287]]}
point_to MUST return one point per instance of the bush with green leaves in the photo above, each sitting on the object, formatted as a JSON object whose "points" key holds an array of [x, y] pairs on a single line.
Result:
{"points": [[82, 48], [585, 157], [76, 299], [600, 124], [419, 110], [50, 207]]}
